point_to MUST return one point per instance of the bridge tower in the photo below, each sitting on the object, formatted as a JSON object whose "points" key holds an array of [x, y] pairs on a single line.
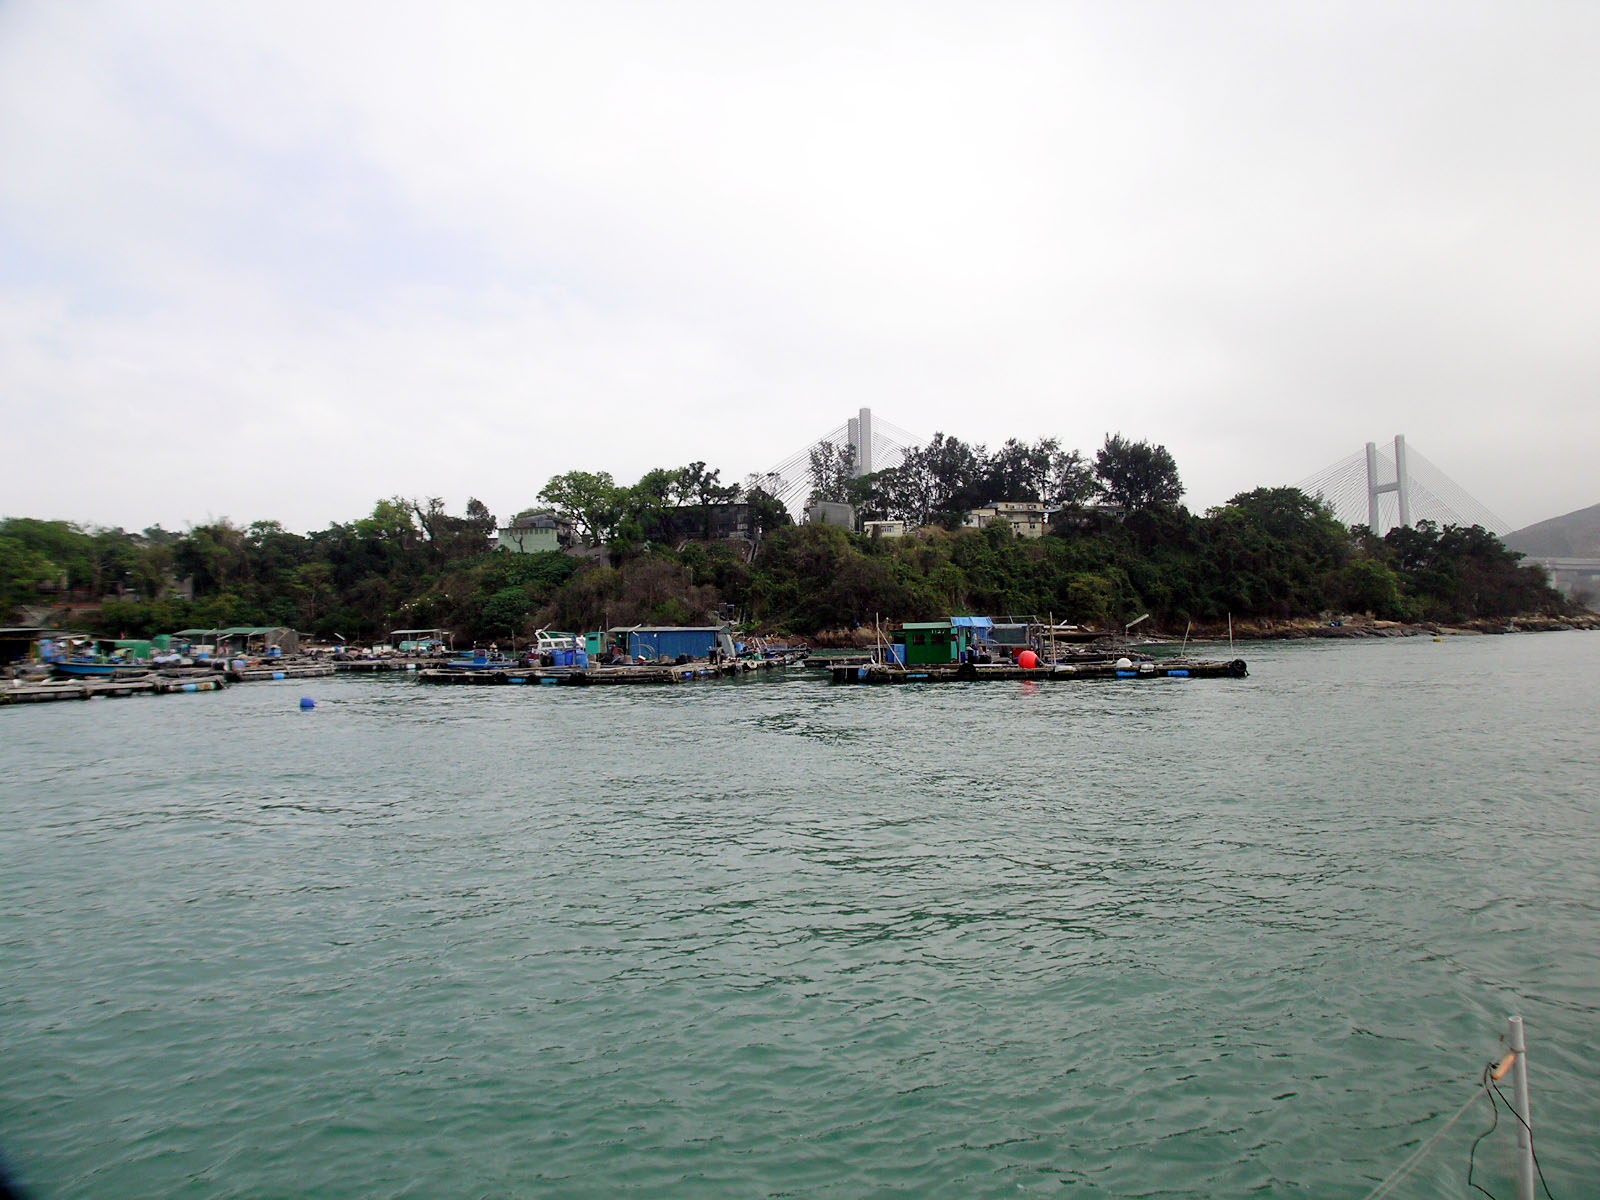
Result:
{"points": [[875, 445], [1401, 485], [1352, 489], [860, 433]]}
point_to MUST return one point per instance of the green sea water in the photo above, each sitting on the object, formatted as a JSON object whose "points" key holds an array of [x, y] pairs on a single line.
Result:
{"points": [[1178, 938]]}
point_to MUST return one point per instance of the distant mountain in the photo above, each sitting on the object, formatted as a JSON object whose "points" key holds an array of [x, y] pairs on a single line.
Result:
{"points": [[1576, 535]]}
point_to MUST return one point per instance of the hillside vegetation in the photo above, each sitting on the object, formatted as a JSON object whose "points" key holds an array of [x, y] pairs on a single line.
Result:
{"points": [[1121, 544]]}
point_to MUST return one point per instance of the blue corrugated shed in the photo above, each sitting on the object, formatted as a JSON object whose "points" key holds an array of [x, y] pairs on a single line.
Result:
{"points": [[982, 624], [669, 641]]}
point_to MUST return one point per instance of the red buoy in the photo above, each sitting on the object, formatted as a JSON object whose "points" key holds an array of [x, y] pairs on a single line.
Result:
{"points": [[1027, 660]]}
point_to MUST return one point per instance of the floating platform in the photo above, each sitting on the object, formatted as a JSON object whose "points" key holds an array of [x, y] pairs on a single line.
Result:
{"points": [[143, 685], [375, 665], [826, 659], [494, 677], [1059, 672], [287, 671], [513, 675]]}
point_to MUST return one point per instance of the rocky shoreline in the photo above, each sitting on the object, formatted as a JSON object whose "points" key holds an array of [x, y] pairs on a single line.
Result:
{"points": [[1365, 627], [1297, 630]]}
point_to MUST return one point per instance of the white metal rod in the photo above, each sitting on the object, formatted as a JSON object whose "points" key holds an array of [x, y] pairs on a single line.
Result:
{"points": [[1519, 1083]]}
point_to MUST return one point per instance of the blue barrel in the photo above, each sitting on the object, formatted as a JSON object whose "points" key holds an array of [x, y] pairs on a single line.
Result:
{"points": [[580, 659], [897, 654]]}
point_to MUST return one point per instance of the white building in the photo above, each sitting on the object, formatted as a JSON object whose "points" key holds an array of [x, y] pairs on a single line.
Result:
{"points": [[1026, 517]]}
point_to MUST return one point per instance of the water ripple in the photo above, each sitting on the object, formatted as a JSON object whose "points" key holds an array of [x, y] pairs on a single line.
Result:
{"points": [[780, 939]]}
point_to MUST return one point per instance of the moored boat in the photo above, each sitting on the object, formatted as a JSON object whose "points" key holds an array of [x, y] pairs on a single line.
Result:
{"points": [[88, 668]]}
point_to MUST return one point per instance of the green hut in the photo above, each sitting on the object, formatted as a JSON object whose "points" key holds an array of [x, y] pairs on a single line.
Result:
{"points": [[934, 643]]}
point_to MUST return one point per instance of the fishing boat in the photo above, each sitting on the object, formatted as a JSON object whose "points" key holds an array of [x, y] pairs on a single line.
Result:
{"points": [[90, 668], [477, 660]]}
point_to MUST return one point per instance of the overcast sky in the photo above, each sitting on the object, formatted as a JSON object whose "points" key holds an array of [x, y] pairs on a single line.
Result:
{"points": [[276, 261]]}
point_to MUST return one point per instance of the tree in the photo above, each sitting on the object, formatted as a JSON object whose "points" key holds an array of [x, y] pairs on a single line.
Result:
{"points": [[1301, 525], [903, 493], [657, 492], [64, 544], [706, 490], [704, 487], [506, 611], [766, 510], [22, 570], [478, 513], [667, 504], [215, 556], [1043, 473], [451, 538], [273, 552], [1272, 551], [1069, 480], [1137, 475], [944, 478], [831, 468], [591, 501], [955, 471], [1466, 571], [1018, 472], [390, 527], [312, 587], [1369, 586]]}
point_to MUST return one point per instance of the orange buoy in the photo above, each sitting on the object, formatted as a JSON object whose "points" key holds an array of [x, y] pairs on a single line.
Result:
{"points": [[1027, 660]]}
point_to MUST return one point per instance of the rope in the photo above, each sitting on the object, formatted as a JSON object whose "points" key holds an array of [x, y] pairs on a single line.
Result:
{"points": [[1512, 1109], [1472, 1155], [1411, 1164]]}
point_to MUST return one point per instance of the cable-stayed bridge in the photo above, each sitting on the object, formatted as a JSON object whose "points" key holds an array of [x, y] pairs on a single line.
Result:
{"points": [[1374, 486], [1381, 490], [875, 445]]}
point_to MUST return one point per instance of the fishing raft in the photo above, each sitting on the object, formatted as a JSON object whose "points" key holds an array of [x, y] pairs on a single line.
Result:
{"points": [[969, 672], [151, 684], [495, 674]]}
